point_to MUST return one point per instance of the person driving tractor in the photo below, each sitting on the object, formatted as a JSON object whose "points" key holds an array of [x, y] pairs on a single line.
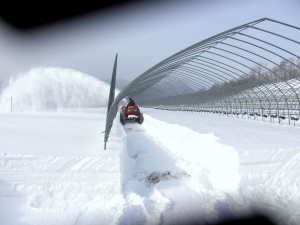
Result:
{"points": [[131, 112], [131, 102]]}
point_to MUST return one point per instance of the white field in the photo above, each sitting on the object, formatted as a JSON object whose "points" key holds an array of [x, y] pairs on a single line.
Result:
{"points": [[177, 167]]}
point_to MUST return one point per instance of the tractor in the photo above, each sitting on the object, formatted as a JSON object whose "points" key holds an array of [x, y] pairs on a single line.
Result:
{"points": [[131, 113]]}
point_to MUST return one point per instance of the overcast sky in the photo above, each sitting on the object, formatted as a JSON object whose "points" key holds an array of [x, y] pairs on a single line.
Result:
{"points": [[142, 34]]}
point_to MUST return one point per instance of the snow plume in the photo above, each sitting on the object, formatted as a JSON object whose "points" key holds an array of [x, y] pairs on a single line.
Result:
{"points": [[51, 88]]}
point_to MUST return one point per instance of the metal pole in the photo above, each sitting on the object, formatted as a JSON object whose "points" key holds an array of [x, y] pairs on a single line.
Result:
{"points": [[11, 104], [111, 99]]}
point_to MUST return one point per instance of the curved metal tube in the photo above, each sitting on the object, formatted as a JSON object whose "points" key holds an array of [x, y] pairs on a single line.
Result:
{"points": [[211, 76]]}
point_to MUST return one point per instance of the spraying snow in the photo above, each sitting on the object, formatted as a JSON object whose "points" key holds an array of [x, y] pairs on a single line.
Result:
{"points": [[51, 88]]}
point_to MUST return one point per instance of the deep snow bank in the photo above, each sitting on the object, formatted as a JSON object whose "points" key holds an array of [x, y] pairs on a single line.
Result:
{"points": [[199, 154], [53, 88]]}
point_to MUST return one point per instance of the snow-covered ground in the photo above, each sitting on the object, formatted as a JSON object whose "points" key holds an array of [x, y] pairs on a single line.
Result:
{"points": [[54, 170], [175, 168]]}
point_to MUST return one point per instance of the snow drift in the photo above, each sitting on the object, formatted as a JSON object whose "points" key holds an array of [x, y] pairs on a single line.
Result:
{"points": [[201, 153], [51, 88]]}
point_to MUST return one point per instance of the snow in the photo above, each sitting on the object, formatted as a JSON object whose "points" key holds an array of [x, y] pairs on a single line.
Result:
{"points": [[53, 88], [54, 169], [175, 168]]}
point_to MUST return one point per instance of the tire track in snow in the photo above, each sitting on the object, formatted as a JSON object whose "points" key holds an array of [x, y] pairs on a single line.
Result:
{"points": [[65, 187], [55, 169]]}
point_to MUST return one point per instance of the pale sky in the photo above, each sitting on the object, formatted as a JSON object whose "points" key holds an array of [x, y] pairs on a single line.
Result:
{"points": [[142, 35]]}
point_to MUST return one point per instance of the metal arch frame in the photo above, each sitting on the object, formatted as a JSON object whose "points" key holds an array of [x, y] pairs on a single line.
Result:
{"points": [[177, 85], [254, 63], [185, 51], [277, 86], [199, 77], [216, 82], [179, 54], [268, 43], [171, 86], [266, 67], [228, 71], [251, 69], [193, 81], [267, 50], [271, 60], [225, 80], [218, 75]]}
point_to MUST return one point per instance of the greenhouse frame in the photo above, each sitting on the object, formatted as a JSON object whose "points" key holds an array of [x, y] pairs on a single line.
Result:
{"points": [[250, 71]]}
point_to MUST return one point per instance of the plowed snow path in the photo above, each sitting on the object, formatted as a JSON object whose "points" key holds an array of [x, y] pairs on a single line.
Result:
{"points": [[162, 179], [202, 167]]}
